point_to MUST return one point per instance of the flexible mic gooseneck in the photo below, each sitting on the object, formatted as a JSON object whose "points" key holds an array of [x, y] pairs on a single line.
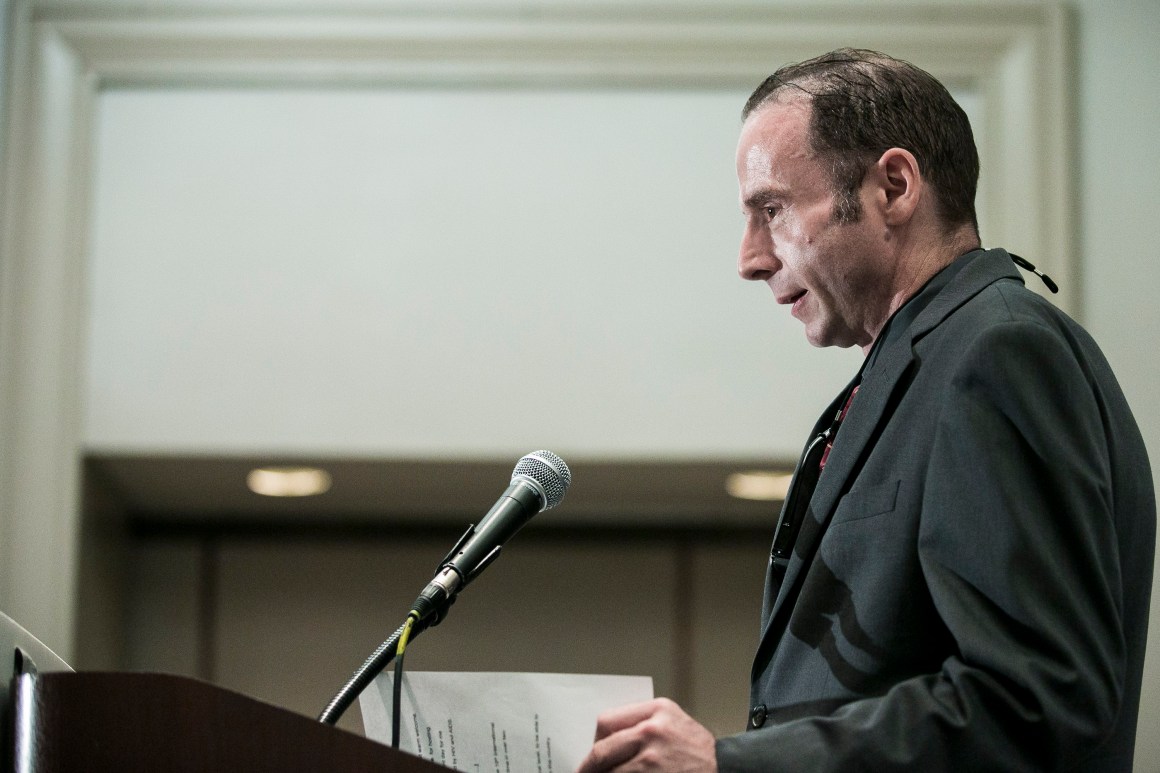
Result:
{"points": [[539, 481]]}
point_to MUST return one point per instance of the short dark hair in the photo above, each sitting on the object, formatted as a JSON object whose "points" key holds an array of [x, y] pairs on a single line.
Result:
{"points": [[864, 103]]}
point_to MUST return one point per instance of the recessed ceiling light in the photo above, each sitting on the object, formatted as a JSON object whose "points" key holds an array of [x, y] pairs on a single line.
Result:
{"points": [[288, 481], [758, 485]]}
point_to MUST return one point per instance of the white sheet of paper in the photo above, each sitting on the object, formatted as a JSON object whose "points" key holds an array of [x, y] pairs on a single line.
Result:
{"points": [[498, 722]]}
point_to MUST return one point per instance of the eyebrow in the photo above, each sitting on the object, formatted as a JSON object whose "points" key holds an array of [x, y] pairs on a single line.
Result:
{"points": [[761, 198]]}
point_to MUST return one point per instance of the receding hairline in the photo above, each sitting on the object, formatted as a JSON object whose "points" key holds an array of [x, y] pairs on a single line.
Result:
{"points": [[809, 86], [785, 95]]}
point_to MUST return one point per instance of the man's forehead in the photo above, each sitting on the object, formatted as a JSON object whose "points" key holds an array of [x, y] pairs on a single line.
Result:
{"points": [[785, 117], [773, 134]]}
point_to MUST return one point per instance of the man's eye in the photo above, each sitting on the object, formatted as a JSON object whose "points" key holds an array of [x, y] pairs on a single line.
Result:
{"points": [[770, 212]]}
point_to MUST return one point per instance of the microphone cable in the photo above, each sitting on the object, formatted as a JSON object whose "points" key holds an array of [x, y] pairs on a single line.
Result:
{"points": [[397, 691]]}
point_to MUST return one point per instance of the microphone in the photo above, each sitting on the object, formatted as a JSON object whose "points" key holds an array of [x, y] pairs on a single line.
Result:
{"points": [[539, 481]]}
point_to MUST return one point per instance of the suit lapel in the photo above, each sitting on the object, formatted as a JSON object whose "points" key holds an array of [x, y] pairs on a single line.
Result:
{"points": [[867, 411]]}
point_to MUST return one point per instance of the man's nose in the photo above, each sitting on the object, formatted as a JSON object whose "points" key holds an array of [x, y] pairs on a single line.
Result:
{"points": [[755, 259]]}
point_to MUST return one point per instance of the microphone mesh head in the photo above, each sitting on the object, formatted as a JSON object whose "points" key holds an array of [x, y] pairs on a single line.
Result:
{"points": [[548, 472]]}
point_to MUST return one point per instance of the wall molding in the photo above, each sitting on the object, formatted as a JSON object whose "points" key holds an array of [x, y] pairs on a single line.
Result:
{"points": [[62, 56]]}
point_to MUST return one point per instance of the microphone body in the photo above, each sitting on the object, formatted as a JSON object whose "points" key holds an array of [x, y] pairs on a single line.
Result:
{"points": [[538, 483], [481, 545]]}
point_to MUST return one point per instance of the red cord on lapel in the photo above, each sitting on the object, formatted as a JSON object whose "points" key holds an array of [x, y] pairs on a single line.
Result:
{"points": [[834, 429]]}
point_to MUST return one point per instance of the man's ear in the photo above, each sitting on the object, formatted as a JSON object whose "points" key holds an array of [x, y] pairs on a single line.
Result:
{"points": [[900, 185]]}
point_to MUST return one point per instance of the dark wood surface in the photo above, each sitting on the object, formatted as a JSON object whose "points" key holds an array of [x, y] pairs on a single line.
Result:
{"points": [[155, 722]]}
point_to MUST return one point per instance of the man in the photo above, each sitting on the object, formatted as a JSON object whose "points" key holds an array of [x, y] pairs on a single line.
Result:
{"points": [[961, 573]]}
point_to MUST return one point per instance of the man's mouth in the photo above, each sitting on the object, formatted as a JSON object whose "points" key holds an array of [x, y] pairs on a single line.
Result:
{"points": [[791, 297]]}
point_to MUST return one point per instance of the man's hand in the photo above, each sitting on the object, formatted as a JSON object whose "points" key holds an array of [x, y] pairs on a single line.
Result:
{"points": [[652, 736]]}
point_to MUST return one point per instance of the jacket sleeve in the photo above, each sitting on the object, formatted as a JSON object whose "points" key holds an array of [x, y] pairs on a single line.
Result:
{"points": [[1018, 551]]}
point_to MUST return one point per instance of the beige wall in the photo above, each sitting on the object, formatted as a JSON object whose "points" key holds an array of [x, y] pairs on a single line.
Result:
{"points": [[1118, 111]]}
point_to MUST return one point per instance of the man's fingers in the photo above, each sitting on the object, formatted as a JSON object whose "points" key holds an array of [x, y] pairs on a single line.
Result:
{"points": [[623, 717], [614, 749], [651, 736]]}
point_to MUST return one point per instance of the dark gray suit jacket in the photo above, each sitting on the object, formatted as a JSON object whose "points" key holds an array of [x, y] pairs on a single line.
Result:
{"points": [[970, 588]]}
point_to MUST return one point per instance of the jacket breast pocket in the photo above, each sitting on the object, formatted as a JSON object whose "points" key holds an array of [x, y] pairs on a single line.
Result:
{"points": [[862, 502]]}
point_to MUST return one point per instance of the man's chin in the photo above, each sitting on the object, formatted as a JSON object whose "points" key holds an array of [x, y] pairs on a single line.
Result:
{"points": [[821, 339]]}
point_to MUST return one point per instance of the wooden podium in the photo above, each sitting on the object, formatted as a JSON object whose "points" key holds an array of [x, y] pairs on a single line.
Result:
{"points": [[63, 721], [58, 721]]}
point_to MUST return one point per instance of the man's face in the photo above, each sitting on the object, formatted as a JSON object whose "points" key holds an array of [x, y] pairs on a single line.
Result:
{"points": [[836, 276]]}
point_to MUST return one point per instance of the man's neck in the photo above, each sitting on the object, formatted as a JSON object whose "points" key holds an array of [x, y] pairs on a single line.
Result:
{"points": [[917, 266]]}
